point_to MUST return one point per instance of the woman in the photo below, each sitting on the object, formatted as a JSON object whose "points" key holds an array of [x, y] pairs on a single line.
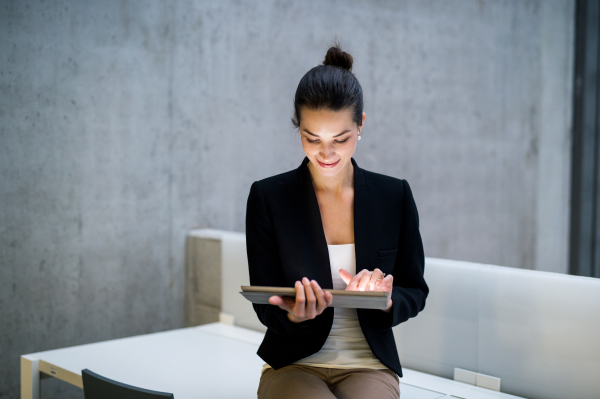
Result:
{"points": [[313, 228]]}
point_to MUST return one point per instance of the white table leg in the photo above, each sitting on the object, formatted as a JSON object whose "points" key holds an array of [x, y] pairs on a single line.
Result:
{"points": [[30, 377]]}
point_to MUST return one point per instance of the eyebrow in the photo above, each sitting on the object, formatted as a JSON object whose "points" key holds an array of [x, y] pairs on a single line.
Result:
{"points": [[337, 135]]}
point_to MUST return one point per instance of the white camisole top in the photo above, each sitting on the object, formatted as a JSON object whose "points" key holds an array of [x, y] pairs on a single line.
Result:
{"points": [[346, 346]]}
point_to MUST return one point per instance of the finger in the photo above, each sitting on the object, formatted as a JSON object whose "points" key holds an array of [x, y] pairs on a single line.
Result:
{"points": [[386, 284], [300, 304], [328, 297], [320, 295], [376, 276], [311, 299], [346, 276], [353, 284], [364, 280], [389, 280]]}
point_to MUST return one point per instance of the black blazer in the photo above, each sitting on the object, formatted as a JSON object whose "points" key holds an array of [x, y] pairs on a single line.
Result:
{"points": [[285, 241]]}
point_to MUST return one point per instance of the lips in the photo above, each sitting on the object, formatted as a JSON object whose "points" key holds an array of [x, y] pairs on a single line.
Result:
{"points": [[328, 165]]}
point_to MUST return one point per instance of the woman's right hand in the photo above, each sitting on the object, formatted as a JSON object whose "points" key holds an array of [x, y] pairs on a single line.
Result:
{"points": [[310, 301]]}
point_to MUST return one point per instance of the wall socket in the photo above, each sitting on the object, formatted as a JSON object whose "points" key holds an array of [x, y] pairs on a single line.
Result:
{"points": [[477, 379]]}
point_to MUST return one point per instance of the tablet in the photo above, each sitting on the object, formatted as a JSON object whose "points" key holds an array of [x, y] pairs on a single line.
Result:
{"points": [[341, 298]]}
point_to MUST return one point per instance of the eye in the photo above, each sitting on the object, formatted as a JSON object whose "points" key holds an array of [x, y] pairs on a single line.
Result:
{"points": [[316, 141]]}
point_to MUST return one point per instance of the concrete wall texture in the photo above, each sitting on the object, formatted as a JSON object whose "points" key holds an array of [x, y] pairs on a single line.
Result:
{"points": [[123, 124]]}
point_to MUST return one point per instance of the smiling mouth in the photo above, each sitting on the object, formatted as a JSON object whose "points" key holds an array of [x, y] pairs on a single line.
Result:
{"points": [[328, 164]]}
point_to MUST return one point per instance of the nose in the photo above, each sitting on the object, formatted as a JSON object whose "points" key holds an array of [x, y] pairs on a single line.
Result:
{"points": [[326, 152]]}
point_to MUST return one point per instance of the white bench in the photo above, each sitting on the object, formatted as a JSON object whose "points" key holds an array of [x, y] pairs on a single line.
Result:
{"points": [[538, 332]]}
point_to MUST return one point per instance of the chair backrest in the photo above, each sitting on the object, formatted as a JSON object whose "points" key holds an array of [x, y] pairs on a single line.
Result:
{"points": [[96, 386]]}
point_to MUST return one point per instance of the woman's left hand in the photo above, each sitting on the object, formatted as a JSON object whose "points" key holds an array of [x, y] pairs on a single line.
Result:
{"points": [[366, 280]]}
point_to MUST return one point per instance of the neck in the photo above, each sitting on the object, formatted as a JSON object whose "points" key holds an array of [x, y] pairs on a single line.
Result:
{"points": [[332, 184]]}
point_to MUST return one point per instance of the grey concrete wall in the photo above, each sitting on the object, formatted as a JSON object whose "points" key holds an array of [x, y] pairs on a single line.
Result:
{"points": [[123, 124]]}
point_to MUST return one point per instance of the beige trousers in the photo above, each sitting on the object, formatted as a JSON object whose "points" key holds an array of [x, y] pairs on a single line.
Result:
{"points": [[306, 382]]}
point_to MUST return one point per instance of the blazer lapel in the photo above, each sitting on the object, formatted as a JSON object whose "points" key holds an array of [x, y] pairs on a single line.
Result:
{"points": [[365, 222], [315, 254], [315, 251]]}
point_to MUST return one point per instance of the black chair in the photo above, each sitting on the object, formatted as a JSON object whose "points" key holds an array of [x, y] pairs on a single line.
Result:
{"points": [[96, 386]]}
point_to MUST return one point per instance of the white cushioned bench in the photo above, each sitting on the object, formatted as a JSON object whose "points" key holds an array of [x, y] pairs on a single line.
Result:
{"points": [[538, 332]]}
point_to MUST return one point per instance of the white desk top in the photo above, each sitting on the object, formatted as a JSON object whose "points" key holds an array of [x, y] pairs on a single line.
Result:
{"points": [[197, 361], [189, 362]]}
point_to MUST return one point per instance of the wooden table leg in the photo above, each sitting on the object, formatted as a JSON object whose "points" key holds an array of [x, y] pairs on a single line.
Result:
{"points": [[30, 377]]}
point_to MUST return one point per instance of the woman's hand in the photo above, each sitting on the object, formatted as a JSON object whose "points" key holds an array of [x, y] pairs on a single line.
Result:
{"points": [[310, 301], [366, 280]]}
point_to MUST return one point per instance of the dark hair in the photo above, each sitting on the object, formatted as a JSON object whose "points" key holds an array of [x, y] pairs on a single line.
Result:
{"points": [[330, 86]]}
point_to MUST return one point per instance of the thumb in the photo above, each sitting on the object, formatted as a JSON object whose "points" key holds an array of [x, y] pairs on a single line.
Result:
{"points": [[275, 300], [345, 275], [285, 303]]}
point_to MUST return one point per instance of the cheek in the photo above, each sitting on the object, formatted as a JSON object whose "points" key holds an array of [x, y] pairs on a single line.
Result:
{"points": [[307, 147], [348, 148]]}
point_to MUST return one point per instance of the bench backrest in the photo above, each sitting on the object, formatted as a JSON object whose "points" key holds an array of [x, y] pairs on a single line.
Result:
{"points": [[537, 331]]}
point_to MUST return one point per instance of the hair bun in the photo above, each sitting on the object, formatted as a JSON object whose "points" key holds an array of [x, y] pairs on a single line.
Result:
{"points": [[336, 57]]}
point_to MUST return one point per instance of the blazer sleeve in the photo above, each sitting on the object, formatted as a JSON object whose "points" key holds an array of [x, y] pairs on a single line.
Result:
{"points": [[265, 268], [409, 287]]}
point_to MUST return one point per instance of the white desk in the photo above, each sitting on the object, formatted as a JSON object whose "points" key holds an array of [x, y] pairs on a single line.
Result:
{"points": [[197, 362]]}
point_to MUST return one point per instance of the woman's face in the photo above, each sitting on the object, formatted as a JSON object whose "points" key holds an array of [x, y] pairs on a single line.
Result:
{"points": [[329, 139]]}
